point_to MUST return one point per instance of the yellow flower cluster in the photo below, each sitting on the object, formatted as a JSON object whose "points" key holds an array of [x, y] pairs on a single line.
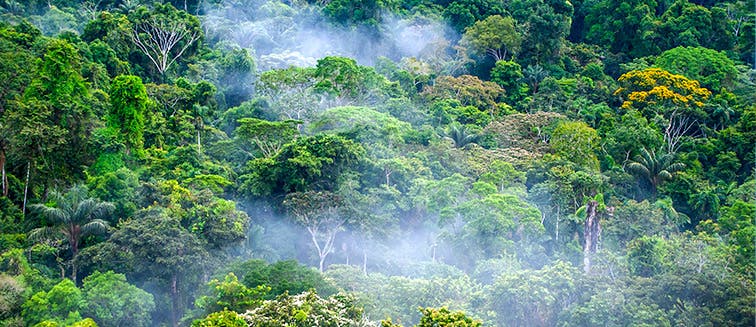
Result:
{"points": [[655, 86]]}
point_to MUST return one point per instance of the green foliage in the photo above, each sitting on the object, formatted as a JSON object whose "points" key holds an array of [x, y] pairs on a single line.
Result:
{"points": [[311, 162], [361, 12], [710, 67], [362, 124], [267, 137], [128, 103], [508, 74], [12, 296], [112, 301], [463, 13], [73, 216], [471, 176], [281, 277], [61, 304], [646, 256], [577, 142], [494, 36], [230, 294], [307, 309], [444, 318], [468, 90], [223, 318], [533, 297], [351, 84], [548, 25]]}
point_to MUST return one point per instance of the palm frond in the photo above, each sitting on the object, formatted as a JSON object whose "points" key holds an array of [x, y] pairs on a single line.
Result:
{"points": [[53, 215], [96, 226], [43, 233], [638, 168]]}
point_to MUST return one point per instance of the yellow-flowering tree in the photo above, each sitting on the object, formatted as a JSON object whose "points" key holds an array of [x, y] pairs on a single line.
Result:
{"points": [[657, 92], [657, 88]]}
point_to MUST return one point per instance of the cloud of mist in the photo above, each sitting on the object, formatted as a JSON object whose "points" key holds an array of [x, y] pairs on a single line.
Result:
{"points": [[281, 35]]}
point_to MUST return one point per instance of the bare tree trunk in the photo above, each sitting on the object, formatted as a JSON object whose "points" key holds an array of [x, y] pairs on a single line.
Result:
{"points": [[345, 249], [74, 268], [199, 143], [364, 261], [174, 300], [4, 179], [26, 187], [591, 235]]}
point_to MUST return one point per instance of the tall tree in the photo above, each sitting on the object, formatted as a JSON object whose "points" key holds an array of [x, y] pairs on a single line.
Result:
{"points": [[494, 36], [654, 167], [73, 216], [128, 103], [322, 214], [165, 35], [154, 248]]}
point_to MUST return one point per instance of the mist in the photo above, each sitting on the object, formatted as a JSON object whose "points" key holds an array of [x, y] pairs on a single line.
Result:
{"points": [[279, 35]]}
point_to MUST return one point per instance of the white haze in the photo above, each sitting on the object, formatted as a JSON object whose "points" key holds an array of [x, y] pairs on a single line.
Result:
{"points": [[279, 35]]}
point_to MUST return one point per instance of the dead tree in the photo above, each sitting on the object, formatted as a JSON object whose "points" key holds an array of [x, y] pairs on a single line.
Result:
{"points": [[161, 41], [592, 231]]}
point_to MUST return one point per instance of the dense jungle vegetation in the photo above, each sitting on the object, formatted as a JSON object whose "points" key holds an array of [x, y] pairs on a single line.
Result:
{"points": [[377, 163]]}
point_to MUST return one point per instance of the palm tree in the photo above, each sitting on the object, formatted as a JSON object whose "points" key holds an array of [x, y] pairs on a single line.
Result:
{"points": [[654, 167], [73, 216], [461, 135], [534, 74]]}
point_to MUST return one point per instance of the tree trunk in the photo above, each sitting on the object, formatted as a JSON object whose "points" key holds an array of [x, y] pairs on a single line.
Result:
{"points": [[74, 268], [199, 143], [364, 261], [26, 188], [591, 234], [4, 179], [174, 300]]}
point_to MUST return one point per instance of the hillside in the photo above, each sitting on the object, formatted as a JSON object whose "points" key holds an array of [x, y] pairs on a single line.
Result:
{"points": [[377, 163]]}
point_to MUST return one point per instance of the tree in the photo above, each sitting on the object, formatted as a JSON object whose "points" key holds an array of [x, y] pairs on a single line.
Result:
{"points": [[495, 36], [268, 137], [52, 120], [444, 318], [645, 256], [657, 91], [534, 75], [547, 25], [577, 142], [290, 92], [60, 305], [128, 104], [154, 247], [74, 216], [636, 17], [461, 136], [223, 318], [654, 168], [165, 35], [463, 13], [441, 317], [307, 163], [322, 214], [12, 296], [112, 301], [359, 12], [508, 74], [231, 294], [307, 309], [351, 84], [497, 224], [16, 68], [533, 297], [469, 90], [713, 69]]}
